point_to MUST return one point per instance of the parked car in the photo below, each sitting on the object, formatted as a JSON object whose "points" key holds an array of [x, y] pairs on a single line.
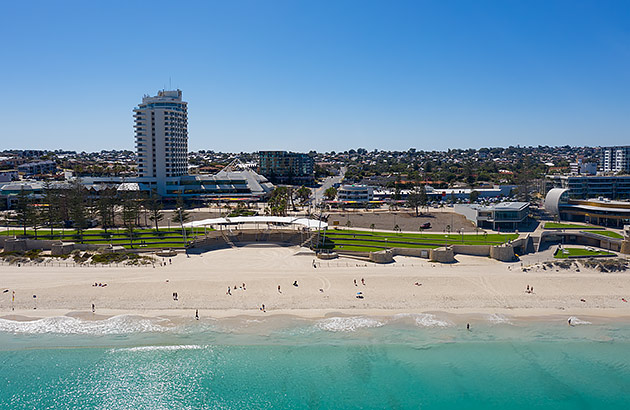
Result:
{"points": [[426, 225]]}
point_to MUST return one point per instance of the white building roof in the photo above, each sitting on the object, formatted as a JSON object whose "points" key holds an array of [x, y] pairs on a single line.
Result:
{"points": [[308, 223]]}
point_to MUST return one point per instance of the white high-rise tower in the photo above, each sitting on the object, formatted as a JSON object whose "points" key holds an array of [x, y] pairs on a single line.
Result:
{"points": [[161, 124]]}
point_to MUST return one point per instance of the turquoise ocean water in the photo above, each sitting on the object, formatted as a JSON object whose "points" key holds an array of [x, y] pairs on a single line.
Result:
{"points": [[404, 362]]}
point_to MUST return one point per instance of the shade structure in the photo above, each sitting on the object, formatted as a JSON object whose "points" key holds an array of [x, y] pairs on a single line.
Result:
{"points": [[275, 220]]}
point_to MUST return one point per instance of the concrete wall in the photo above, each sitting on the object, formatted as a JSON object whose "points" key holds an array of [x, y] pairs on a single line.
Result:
{"points": [[416, 252], [386, 256], [474, 250], [11, 245], [442, 255], [503, 253], [583, 238], [625, 247]]}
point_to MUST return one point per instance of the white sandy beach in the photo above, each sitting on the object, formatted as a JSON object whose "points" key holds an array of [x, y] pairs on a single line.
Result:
{"points": [[472, 286]]}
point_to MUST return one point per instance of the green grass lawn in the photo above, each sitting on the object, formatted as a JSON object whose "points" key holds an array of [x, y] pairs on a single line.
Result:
{"points": [[367, 241], [610, 234], [142, 238], [555, 225], [467, 239], [578, 252]]}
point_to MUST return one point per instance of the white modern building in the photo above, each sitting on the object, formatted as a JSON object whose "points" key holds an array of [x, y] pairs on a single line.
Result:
{"points": [[615, 159], [161, 126], [501, 216], [355, 193], [580, 167]]}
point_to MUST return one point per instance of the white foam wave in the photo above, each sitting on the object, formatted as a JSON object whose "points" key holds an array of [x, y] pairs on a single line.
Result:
{"points": [[429, 320], [498, 319], [157, 348], [576, 321], [347, 324], [69, 325], [425, 319]]}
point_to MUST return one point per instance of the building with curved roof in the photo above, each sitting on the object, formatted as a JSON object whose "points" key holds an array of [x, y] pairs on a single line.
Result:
{"points": [[595, 211]]}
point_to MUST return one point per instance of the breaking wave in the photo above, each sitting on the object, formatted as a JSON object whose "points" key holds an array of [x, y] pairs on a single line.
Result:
{"points": [[122, 324], [425, 319], [576, 321], [348, 324], [498, 319]]}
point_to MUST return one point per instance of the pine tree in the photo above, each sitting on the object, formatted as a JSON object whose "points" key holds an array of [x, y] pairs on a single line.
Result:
{"points": [[181, 216], [154, 206]]}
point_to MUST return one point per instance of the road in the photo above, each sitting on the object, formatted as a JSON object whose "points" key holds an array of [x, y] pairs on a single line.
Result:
{"points": [[318, 194]]}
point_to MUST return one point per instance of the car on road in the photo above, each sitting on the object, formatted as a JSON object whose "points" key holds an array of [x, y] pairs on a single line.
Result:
{"points": [[426, 225]]}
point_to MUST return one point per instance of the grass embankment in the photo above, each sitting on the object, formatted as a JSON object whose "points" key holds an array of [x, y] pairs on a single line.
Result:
{"points": [[565, 253], [609, 234], [365, 241], [555, 225], [142, 238]]}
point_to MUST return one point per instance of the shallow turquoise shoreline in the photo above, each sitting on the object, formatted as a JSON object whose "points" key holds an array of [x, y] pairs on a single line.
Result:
{"points": [[411, 362]]}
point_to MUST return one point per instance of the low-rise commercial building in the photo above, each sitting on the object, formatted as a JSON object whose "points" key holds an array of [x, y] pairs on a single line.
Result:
{"points": [[559, 202], [355, 193], [500, 216]]}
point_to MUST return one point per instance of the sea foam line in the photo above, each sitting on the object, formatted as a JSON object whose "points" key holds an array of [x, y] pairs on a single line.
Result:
{"points": [[576, 321], [121, 324], [157, 348], [348, 324], [425, 319]]}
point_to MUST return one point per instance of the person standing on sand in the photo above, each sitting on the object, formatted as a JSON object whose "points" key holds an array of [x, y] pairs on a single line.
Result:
{"points": [[279, 291], [363, 281], [229, 292], [93, 309], [197, 314], [355, 282], [468, 326]]}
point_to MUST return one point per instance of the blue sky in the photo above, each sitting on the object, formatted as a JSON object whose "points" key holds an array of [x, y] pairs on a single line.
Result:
{"points": [[323, 75]]}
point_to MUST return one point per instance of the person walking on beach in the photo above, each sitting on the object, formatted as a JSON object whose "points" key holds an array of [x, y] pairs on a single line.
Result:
{"points": [[93, 309], [468, 326], [197, 314], [363, 281], [355, 282], [279, 291], [229, 292]]}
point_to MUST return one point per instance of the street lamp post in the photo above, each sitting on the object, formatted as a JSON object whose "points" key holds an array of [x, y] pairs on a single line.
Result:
{"points": [[183, 230]]}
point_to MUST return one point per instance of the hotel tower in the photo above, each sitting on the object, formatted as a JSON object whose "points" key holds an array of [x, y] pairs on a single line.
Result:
{"points": [[161, 127]]}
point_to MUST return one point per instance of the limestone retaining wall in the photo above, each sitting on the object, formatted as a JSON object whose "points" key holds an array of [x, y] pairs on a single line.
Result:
{"points": [[386, 256], [442, 255], [416, 252], [473, 250], [503, 253]]}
